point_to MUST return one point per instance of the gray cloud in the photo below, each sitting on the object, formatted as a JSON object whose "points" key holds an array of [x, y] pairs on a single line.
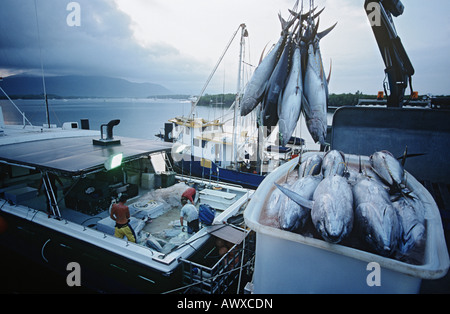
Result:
{"points": [[103, 44], [179, 41]]}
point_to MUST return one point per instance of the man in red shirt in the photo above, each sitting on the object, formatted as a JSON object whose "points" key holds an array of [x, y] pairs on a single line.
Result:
{"points": [[189, 194]]}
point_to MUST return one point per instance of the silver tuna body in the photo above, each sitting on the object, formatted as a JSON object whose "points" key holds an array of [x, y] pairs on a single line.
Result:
{"points": [[375, 216], [254, 91], [387, 167], [316, 98], [310, 166], [291, 104], [333, 163], [412, 222], [292, 216], [332, 211], [331, 207]]}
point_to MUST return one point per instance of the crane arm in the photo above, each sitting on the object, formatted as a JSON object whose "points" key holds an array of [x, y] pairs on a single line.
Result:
{"points": [[399, 69]]}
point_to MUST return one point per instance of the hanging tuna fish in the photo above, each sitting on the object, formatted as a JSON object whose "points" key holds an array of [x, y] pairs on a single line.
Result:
{"points": [[315, 86], [291, 103], [275, 87], [291, 80], [254, 91]]}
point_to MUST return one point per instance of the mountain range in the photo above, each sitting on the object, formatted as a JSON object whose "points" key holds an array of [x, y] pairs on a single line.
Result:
{"points": [[80, 86]]}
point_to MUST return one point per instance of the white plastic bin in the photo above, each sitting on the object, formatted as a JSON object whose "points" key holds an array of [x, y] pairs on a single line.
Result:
{"points": [[287, 262]]}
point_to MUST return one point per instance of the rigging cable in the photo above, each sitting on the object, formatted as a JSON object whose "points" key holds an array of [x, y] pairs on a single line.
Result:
{"points": [[23, 114], [214, 70]]}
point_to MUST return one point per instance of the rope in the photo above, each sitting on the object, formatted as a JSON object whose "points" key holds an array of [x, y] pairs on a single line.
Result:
{"points": [[214, 71]]}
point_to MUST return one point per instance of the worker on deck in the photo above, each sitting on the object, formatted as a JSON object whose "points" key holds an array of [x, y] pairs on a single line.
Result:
{"points": [[120, 213], [190, 195], [191, 213]]}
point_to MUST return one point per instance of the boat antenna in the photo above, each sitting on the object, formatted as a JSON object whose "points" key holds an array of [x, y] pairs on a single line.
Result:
{"points": [[42, 65]]}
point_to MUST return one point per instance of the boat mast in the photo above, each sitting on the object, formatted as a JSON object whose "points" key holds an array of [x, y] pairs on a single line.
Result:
{"points": [[42, 66], [244, 33]]}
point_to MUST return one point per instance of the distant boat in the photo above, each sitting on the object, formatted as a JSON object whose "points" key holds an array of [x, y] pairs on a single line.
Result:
{"points": [[230, 148]]}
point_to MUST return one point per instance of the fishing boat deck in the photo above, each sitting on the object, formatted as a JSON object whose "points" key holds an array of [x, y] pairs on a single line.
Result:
{"points": [[88, 189], [164, 213]]}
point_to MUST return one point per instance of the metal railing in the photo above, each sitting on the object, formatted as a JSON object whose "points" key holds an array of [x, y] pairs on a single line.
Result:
{"points": [[225, 273]]}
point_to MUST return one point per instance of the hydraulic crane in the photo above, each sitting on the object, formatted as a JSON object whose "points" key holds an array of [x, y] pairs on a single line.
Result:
{"points": [[399, 70]]}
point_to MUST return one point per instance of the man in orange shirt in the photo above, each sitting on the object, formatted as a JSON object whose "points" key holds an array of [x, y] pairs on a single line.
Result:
{"points": [[120, 213]]}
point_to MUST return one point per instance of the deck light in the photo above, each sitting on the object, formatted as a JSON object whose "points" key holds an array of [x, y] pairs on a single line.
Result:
{"points": [[114, 161]]}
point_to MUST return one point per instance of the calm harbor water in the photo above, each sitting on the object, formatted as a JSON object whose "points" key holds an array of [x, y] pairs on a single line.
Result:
{"points": [[140, 118]]}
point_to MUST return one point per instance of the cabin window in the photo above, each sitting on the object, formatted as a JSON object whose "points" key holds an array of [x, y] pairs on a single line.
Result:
{"points": [[196, 142], [217, 151], [19, 172]]}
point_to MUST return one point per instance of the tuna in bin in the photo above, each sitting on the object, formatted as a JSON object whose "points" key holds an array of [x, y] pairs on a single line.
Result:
{"points": [[376, 218], [355, 206], [331, 207], [293, 216]]}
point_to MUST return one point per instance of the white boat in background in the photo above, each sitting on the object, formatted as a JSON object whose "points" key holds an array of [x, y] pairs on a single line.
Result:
{"points": [[230, 148]]}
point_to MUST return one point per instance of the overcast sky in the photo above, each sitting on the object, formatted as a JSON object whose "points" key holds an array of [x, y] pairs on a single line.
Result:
{"points": [[176, 43]]}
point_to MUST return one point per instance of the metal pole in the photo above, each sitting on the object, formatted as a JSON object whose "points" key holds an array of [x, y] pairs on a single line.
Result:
{"points": [[238, 91]]}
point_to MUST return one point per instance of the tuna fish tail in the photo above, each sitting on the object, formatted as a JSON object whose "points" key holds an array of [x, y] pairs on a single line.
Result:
{"points": [[300, 200], [326, 32], [262, 54], [329, 74]]}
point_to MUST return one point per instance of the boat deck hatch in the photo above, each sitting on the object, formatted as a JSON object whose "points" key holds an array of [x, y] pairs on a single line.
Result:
{"points": [[228, 233], [219, 200]]}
